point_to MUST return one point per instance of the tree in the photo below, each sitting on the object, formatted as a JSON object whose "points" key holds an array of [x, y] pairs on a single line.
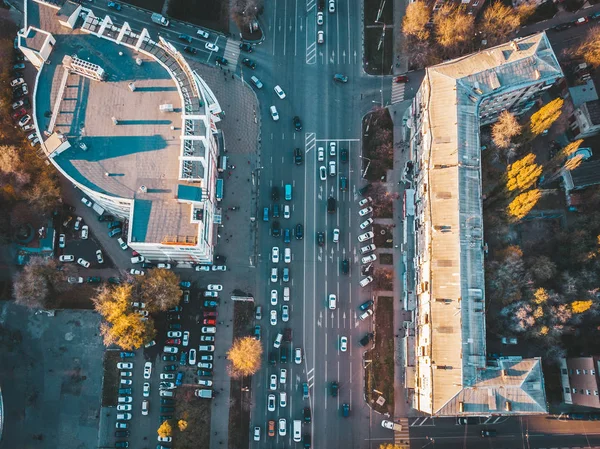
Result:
{"points": [[159, 289], [574, 162], [39, 283], [113, 302], [244, 357], [546, 116], [542, 269], [454, 29], [589, 49], [505, 129], [540, 296], [182, 424], [581, 306], [43, 195], [420, 53], [523, 174], [506, 277], [498, 22], [522, 204], [390, 446], [165, 430], [415, 20]]}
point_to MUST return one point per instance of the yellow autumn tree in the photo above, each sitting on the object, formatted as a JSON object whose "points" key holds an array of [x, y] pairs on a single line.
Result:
{"points": [[182, 424], [415, 20], [454, 28], [244, 357], [546, 116], [497, 22], [581, 306], [569, 149], [540, 296], [165, 430], [589, 49], [523, 174], [574, 162], [522, 204]]}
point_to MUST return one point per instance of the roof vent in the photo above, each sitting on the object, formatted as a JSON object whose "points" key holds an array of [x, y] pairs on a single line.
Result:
{"points": [[143, 189], [514, 46]]}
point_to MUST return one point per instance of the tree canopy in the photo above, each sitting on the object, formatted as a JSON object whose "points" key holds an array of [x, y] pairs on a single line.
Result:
{"points": [[589, 49], [244, 357], [165, 429], [523, 204], [159, 289], [546, 116], [415, 20], [523, 174], [505, 129], [38, 285]]}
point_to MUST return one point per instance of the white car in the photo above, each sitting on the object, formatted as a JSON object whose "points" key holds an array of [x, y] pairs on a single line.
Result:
{"points": [[192, 357], [271, 403], [146, 391], [279, 91], [87, 202], [365, 224], [126, 382], [320, 36], [66, 258], [257, 434], [205, 383], [186, 338], [167, 376], [219, 268], [286, 211], [344, 344], [126, 373], [77, 223], [174, 334], [202, 267], [332, 149], [61, 241], [215, 287], [84, 263], [331, 302], [273, 297], [273, 317], [282, 399], [17, 82], [273, 382], [336, 235], [136, 272], [320, 154], [85, 232], [167, 386], [211, 47], [297, 356], [137, 259], [282, 425], [364, 201], [368, 249], [99, 256], [366, 281], [287, 255], [322, 173], [365, 211], [171, 349], [332, 169], [123, 365], [285, 313], [282, 376], [273, 275], [147, 370], [369, 258], [274, 113], [366, 236], [75, 280], [166, 266], [275, 254], [286, 293], [211, 294], [319, 18], [367, 313], [122, 244], [165, 439], [203, 34], [124, 407], [331, 6]]}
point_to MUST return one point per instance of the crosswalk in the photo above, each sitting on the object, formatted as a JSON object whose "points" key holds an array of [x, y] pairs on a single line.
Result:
{"points": [[232, 51], [398, 92], [401, 437]]}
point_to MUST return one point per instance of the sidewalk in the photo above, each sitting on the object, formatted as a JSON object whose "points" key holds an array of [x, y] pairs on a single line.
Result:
{"points": [[237, 234], [400, 61]]}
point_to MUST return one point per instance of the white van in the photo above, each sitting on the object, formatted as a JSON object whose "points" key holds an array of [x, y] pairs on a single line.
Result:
{"points": [[277, 342], [123, 416], [206, 348], [297, 430]]}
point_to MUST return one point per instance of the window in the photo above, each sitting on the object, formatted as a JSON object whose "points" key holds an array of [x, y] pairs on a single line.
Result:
{"points": [[585, 371], [588, 392], [574, 390], [563, 371], [577, 371], [595, 392], [567, 390], [593, 372]]}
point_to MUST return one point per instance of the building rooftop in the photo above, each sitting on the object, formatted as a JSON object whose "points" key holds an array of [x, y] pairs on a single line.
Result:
{"points": [[34, 38], [583, 93], [593, 108]]}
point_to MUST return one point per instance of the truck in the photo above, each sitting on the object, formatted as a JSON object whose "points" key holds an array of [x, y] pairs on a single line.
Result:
{"points": [[99, 210], [160, 19]]}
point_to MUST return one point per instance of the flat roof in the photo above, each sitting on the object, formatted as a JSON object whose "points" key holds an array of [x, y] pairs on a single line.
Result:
{"points": [[137, 158]]}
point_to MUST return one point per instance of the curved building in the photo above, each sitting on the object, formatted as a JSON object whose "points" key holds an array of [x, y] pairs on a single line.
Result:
{"points": [[126, 120]]}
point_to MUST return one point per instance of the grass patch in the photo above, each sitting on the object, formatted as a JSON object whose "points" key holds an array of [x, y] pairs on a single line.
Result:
{"points": [[112, 379], [378, 59], [196, 412], [386, 259], [213, 14], [151, 5], [384, 237], [371, 9], [378, 145], [380, 372]]}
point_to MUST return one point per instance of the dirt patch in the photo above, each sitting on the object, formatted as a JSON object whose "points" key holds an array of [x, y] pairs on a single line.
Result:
{"points": [[386, 259], [379, 377], [384, 237], [213, 14], [151, 5], [378, 144], [383, 279], [110, 386], [196, 412]]}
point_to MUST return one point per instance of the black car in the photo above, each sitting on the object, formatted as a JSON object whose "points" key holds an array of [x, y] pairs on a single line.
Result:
{"points": [[306, 441], [221, 60], [164, 418], [245, 46], [488, 433], [298, 156], [333, 389], [122, 433], [365, 340], [321, 238], [345, 410], [185, 38], [299, 231], [283, 354], [190, 50], [297, 123], [345, 266], [365, 305], [562, 26], [106, 218], [114, 281], [275, 229], [120, 444], [176, 309], [174, 326], [167, 401], [275, 193], [170, 368], [272, 358], [331, 204], [344, 155], [343, 183], [167, 409], [204, 373], [306, 414], [125, 391], [249, 63], [169, 358], [173, 317], [257, 332], [94, 279]]}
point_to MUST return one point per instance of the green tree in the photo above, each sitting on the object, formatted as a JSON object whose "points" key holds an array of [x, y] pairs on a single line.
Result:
{"points": [[415, 20], [523, 174], [523, 204], [546, 116], [159, 289]]}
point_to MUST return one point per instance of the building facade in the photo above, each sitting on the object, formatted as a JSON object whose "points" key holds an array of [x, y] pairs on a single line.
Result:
{"points": [[452, 374], [579, 381]]}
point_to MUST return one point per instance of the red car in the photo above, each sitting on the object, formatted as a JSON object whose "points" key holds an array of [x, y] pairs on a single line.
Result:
{"points": [[173, 341], [19, 113], [208, 314], [271, 428], [210, 321], [401, 79]]}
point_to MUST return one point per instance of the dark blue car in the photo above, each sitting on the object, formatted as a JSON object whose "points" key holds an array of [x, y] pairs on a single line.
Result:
{"points": [[179, 379]]}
